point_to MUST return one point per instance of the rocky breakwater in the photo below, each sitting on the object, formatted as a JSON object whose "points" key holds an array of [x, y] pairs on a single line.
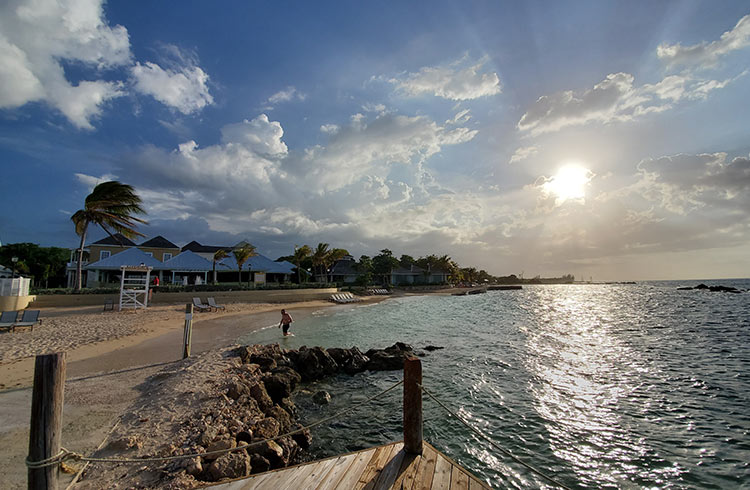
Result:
{"points": [[226, 400]]}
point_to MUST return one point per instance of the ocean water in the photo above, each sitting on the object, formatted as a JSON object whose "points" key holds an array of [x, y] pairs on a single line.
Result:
{"points": [[597, 386]]}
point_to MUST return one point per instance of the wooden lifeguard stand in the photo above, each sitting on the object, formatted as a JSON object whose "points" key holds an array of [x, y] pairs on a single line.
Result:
{"points": [[134, 289]]}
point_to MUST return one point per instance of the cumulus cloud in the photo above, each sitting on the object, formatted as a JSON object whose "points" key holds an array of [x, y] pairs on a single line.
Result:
{"points": [[616, 98], [37, 37], [184, 88], [522, 153], [329, 128], [453, 81], [259, 135], [288, 94], [706, 54], [90, 181]]}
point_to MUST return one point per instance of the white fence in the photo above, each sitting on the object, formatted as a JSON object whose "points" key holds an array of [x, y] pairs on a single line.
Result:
{"points": [[15, 287]]}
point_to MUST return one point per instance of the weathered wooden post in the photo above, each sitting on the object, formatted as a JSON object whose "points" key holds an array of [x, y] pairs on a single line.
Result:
{"points": [[413, 405], [46, 418], [188, 337]]}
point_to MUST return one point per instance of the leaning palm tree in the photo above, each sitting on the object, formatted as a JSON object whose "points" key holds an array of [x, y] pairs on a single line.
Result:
{"points": [[300, 254], [111, 205], [319, 256], [218, 256], [241, 255]]}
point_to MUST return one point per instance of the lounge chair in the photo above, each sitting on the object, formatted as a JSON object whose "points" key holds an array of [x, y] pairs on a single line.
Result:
{"points": [[30, 318], [212, 304], [201, 307], [7, 319], [109, 304]]}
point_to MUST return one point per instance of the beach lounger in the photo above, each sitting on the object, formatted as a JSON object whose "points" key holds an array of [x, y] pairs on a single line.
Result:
{"points": [[109, 304], [30, 318], [201, 307], [212, 304], [7, 319]]}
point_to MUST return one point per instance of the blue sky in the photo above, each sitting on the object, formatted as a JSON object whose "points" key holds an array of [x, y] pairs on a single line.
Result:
{"points": [[602, 139]]}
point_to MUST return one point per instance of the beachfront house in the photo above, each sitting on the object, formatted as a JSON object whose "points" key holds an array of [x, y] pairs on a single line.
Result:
{"points": [[416, 275], [345, 270], [107, 271]]}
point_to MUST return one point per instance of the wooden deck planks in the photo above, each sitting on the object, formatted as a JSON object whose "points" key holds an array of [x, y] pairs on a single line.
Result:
{"points": [[381, 468]]}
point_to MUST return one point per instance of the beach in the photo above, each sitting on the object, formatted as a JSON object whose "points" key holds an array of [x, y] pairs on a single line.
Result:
{"points": [[110, 355]]}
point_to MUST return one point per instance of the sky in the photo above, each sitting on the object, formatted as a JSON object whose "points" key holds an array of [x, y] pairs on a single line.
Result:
{"points": [[608, 140]]}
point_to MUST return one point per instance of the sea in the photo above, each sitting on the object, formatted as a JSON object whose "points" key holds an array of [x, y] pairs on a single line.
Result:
{"points": [[592, 385]]}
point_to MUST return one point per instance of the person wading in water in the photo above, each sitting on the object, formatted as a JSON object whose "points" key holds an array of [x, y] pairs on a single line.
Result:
{"points": [[286, 320]]}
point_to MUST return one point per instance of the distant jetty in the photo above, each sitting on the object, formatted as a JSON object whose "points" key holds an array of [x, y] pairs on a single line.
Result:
{"points": [[719, 289]]}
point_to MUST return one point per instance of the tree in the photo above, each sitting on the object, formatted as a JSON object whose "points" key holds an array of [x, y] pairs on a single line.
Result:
{"points": [[112, 206], [300, 254], [383, 264], [406, 261], [364, 268], [219, 255], [320, 256], [43, 264], [241, 255]]}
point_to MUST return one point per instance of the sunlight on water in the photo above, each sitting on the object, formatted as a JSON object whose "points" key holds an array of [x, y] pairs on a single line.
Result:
{"points": [[597, 386]]}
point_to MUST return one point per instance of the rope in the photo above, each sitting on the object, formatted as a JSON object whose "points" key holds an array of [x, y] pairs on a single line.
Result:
{"points": [[496, 446], [66, 455]]}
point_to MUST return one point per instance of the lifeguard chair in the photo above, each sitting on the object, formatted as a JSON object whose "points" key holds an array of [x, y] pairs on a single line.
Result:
{"points": [[134, 288]]}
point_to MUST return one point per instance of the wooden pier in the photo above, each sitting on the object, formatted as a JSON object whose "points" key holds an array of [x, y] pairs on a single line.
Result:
{"points": [[383, 467]]}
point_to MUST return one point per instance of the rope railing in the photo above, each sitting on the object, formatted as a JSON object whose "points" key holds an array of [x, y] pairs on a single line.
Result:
{"points": [[65, 455], [493, 443]]}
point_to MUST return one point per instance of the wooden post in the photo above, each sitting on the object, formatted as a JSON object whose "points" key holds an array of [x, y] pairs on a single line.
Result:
{"points": [[46, 418], [413, 405], [188, 337]]}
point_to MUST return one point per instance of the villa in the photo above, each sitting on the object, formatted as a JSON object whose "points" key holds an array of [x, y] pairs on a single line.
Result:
{"points": [[192, 264]]}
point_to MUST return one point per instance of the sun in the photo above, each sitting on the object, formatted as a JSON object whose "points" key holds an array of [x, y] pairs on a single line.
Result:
{"points": [[568, 183]]}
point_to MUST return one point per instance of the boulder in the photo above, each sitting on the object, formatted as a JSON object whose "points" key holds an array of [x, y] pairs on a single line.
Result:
{"points": [[282, 417], [315, 363], [230, 465], [288, 405], [281, 382], [266, 428], [391, 358], [259, 463], [351, 361], [322, 397], [219, 445], [303, 438], [236, 389], [193, 466], [260, 395], [431, 348]]}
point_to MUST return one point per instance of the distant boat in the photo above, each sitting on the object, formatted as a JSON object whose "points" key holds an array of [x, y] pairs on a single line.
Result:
{"points": [[477, 291]]}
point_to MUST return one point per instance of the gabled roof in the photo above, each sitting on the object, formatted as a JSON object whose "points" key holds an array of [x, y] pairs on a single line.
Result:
{"points": [[116, 239], [188, 261], [198, 248], [259, 263], [159, 242], [131, 256]]}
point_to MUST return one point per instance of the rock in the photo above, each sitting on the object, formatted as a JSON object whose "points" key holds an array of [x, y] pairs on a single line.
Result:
{"points": [[193, 466], [291, 450], [281, 382], [237, 389], [431, 348], [244, 437], [266, 363], [391, 358], [322, 397], [219, 445], [303, 438], [125, 443], [266, 428], [208, 436], [351, 361], [288, 405], [260, 395], [282, 417], [231, 465], [315, 363], [259, 463]]}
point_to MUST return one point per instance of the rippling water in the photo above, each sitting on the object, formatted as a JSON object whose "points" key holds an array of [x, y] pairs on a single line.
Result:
{"points": [[599, 386]]}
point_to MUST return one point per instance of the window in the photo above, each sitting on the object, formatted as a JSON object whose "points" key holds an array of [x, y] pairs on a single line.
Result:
{"points": [[104, 254], [150, 254], [167, 256]]}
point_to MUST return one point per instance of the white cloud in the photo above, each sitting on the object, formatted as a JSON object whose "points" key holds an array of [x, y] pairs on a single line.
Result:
{"points": [[36, 37], [285, 95], [461, 117], [615, 98], [259, 135], [91, 181], [329, 128], [522, 153], [451, 81], [184, 89], [705, 54]]}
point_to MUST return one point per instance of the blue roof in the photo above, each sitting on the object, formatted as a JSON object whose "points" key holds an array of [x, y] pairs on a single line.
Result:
{"points": [[188, 261], [259, 263], [130, 256]]}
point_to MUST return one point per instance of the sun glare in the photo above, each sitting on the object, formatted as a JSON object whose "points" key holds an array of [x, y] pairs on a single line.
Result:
{"points": [[568, 183]]}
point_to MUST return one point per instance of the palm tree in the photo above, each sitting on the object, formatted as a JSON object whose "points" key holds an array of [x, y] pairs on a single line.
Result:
{"points": [[319, 256], [241, 255], [111, 205], [218, 256], [300, 254]]}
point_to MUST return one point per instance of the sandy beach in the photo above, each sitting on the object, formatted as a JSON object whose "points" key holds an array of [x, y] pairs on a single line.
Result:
{"points": [[109, 357]]}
